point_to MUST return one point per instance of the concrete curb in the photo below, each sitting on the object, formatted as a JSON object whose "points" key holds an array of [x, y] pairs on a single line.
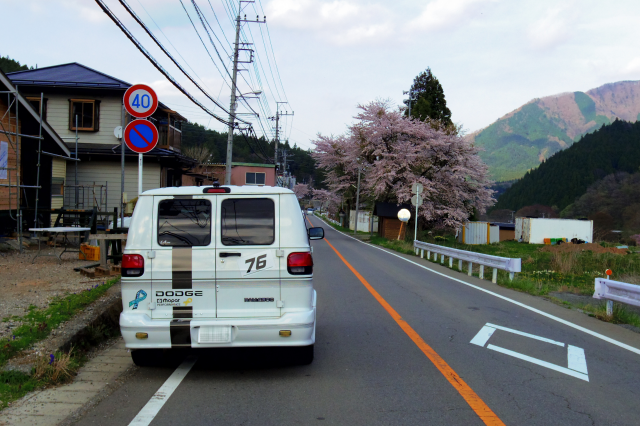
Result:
{"points": [[50, 407]]}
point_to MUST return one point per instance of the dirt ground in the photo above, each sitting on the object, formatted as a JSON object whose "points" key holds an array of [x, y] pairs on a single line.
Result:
{"points": [[23, 283], [569, 247]]}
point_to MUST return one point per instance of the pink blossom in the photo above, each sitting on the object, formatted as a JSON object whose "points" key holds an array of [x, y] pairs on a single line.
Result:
{"points": [[394, 152]]}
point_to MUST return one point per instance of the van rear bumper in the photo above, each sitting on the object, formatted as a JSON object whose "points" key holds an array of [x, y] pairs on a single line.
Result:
{"points": [[238, 332]]}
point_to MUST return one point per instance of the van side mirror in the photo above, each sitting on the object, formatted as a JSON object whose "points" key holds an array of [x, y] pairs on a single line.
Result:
{"points": [[316, 233]]}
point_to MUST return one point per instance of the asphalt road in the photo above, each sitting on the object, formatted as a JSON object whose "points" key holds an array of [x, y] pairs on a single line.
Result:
{"points": [[404, 356]]}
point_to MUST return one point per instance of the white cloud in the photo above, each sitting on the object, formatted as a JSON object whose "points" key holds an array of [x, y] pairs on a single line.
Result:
{"points": [[549, 31], [444, 14], [338, 21]]}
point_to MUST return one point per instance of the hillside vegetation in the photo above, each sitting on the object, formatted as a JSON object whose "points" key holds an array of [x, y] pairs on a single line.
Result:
{"points": [[299, 161], [563, 178], [526, 137]]}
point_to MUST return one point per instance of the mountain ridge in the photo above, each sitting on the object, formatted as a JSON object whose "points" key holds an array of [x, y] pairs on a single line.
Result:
{"points": [[525, 137]]}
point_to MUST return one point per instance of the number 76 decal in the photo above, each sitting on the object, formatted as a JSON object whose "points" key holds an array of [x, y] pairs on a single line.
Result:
{"points": [[257, 262]]}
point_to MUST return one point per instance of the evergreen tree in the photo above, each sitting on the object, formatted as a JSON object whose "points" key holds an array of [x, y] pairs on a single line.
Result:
{"points": [[10, 65], [429, 99]]}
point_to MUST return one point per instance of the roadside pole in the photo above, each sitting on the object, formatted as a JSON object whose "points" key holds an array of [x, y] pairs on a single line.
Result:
{"points": [[139, 174], [416, 200], [355, 228], [115, 219]]}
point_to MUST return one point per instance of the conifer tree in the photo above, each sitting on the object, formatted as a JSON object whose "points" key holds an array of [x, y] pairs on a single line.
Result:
{"points": [[429, 102]]}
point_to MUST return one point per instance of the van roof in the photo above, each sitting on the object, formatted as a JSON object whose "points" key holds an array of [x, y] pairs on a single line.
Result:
{"points": [[197, 190]]}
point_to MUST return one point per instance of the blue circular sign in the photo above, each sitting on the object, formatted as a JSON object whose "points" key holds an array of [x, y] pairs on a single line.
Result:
{"points": [[141, 136]]}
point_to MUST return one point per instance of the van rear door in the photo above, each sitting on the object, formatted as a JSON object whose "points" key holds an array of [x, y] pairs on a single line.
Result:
{"points": [[247, 261], [183, 267]]}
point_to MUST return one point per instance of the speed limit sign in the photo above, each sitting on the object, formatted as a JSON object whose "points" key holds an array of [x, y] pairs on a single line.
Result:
{"points": [[140, 100]]}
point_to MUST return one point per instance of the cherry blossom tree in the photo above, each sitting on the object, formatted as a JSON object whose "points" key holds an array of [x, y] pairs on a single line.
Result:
{"points": [[329, 199], [302, 191], [393, 152]]}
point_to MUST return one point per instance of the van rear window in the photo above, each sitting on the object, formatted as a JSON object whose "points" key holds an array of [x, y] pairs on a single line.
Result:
{"points": [[184, 223], [248, 221]]}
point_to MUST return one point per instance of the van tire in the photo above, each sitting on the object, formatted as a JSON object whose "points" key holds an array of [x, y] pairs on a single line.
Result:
{"points": [[146, 357], [304, 355]]}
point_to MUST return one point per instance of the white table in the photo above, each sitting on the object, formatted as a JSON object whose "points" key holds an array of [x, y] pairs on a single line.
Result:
{"points": [[65, 231]]}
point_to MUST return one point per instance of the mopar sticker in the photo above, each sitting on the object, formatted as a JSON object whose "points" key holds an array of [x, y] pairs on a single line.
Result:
{"points": [[140, 296], [176, 297]]}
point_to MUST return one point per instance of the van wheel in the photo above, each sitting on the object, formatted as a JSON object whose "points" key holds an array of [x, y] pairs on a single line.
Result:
{"points": [[146, 357], [304, 355]]}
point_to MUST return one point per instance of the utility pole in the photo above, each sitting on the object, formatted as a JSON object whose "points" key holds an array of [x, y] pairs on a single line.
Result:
{"points": [[355, 228], [411, 98], [277, 118], [234, 78]]}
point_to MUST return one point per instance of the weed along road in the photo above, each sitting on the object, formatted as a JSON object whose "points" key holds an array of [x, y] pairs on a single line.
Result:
{"points": [[401, 341]]}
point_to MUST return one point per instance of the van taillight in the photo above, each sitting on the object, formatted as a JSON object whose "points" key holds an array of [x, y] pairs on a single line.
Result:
{"points": [[132, 265], [300, 263]]}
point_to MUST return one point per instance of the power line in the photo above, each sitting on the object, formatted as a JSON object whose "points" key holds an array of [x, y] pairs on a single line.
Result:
{"points": [[155, 39], [155, 63]]}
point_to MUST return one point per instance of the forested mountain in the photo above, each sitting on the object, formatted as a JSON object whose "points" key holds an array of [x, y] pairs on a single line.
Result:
{"points": [[524, 138], [567, 175], [299, 161]]}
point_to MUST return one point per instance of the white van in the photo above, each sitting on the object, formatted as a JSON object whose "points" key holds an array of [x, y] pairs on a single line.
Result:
{"points": [[210, 267]]}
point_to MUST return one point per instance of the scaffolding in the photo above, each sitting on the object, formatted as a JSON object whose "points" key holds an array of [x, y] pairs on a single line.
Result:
{"points": [[14, 138]]}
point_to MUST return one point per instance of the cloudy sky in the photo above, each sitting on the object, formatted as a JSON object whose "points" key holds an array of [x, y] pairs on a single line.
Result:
{"points": [[491, 56]]}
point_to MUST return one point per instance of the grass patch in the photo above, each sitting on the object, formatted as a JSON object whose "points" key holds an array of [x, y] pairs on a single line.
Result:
{"points": [[36, 326]]}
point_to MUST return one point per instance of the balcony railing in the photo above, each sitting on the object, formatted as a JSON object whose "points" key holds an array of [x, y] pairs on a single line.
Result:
{"points": [[170, 137]]}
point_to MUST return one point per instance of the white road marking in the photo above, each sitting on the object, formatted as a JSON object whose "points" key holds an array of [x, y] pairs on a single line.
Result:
{"points": [[540, 362], [531, 336], [149, 411], [522, 305], [483, 336], [576, 361]]}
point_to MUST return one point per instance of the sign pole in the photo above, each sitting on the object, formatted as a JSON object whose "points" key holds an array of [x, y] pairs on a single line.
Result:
{"points": [[139, 174]]}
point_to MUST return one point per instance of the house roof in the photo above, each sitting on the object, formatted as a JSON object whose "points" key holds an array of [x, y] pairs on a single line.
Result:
{"points": [[48, 130], [67, 75], [77, 76], [389, 209]]}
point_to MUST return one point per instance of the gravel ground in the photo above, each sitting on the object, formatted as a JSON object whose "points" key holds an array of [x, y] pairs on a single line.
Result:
{"points": [[23, 284]]}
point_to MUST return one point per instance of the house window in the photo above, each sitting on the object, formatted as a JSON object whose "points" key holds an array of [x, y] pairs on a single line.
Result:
{"points": [[255, 178], [88, 113], [35, 103], [57, 187]]}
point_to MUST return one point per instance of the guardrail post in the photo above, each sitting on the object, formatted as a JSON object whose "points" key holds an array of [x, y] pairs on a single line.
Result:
{"points": [[511, 275], [417, 251], [450, 262], [421, 254], [470, 268], [442, 259], [494, 279], [460, 265], [609, 308], [481, 272], [428, 254]]}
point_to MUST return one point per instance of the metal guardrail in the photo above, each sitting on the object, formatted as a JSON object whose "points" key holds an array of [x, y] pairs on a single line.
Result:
{"points": [[509, 264], [616, 291]]}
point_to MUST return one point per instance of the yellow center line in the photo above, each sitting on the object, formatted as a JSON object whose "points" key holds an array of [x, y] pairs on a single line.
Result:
{"points": [[477, 405]]}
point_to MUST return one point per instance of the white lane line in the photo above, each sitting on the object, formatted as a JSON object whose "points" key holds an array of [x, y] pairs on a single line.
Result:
{"points": [[521, 333], [151, 410], [539, 362], [522, 305]]}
